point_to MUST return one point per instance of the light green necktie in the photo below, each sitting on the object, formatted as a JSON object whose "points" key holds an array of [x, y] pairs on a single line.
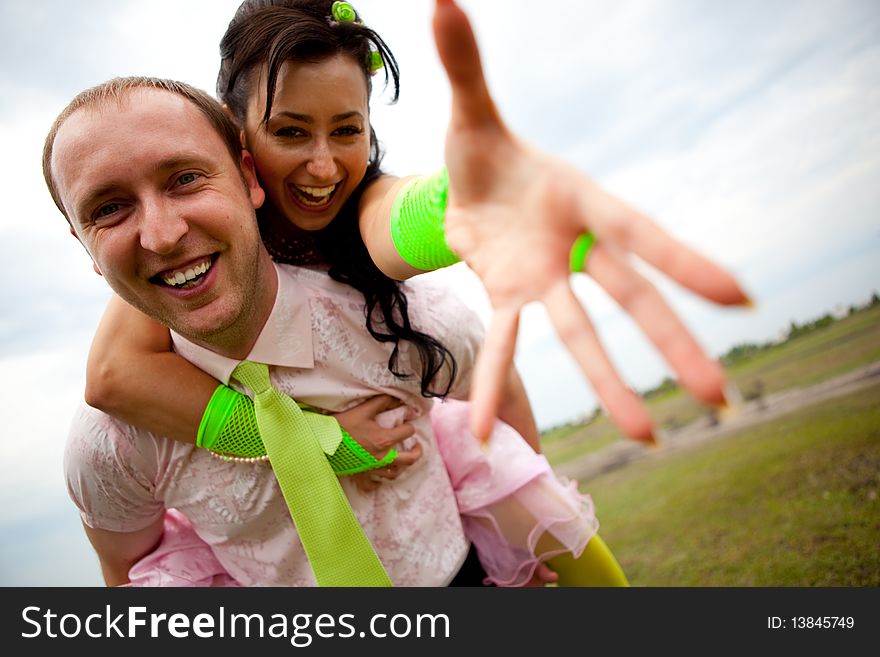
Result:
{"points": [[337, 548]]}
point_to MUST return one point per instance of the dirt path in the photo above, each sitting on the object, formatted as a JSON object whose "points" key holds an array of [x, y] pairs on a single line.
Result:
{"points": [[740, 417]]}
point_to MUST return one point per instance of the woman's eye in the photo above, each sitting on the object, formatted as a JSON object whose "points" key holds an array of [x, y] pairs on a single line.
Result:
{"points": [[348, 131], [289, 132]]}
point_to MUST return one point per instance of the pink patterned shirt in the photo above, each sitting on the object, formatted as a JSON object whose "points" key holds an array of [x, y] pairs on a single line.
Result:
{"points": [[122, 478]]}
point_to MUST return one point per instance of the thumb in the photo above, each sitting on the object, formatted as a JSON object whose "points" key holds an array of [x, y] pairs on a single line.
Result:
{"points": [[471, 102]]}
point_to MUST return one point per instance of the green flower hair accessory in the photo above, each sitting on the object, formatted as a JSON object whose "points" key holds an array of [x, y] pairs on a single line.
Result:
{"points": [[375, 61], [343, 12]]}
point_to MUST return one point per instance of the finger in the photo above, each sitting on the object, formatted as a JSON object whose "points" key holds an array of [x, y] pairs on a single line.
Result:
{"points": [[364, 483], [577, 334], [490, 370], [399, 433], [400, 463], [701, 375], [544, 574], [613, 220], [460, 55], [408, 457], [390, 437], [385, 473]]}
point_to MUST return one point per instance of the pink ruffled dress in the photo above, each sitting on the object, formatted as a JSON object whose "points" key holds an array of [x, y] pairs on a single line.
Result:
{"points": [[514, 509], [181, 559]]}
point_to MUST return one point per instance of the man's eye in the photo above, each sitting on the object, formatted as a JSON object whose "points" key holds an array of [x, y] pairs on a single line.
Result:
{"points": [[187, 178], [107, 210]]}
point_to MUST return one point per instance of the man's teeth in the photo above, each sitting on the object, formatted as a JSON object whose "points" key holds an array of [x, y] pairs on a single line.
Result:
{"points": [[181, 277]]}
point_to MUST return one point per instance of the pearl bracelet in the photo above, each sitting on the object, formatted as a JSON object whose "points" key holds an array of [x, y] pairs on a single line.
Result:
{"points": [[238, 459]]}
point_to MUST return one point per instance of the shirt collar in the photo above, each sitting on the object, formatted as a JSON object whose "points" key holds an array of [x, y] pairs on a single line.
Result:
{"points": [[285, 341]]}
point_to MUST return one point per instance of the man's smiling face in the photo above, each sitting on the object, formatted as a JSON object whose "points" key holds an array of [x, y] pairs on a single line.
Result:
{"points": [[165, 213]]}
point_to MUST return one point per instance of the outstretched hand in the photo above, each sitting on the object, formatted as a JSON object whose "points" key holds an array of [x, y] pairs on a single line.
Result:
{"points": [[513, 214]]}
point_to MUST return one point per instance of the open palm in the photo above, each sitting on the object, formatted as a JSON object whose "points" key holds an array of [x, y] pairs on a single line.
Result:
{"points": [[513, 214]]}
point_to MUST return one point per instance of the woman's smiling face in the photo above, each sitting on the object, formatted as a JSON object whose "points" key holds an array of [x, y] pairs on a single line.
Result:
{"points": [[314, 150]]}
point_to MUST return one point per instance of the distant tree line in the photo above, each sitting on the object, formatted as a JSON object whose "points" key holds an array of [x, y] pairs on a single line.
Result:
{"points": [[746, 350], [738, 353]]}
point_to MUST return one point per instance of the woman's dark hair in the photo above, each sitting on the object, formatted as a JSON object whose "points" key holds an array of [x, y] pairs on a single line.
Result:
{"points": [[270, 33]]}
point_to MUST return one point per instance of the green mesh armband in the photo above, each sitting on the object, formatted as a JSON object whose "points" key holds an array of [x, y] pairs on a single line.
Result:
{"points": [[580, 250], [417, 223], [345, 455], [229, 425], [351, 458]]}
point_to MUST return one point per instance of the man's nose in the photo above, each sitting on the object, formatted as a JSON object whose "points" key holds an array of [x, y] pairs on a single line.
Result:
{"points": [[162, 227], [321, 164]]}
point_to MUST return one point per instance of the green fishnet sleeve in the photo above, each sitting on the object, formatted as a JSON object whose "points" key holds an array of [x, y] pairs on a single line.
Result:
{"points": [[229, 426], [350, 458], [417, 218]]}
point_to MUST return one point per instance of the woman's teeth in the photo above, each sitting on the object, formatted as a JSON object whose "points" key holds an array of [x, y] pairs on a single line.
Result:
{"points": [[314, 196], [187, 278]]}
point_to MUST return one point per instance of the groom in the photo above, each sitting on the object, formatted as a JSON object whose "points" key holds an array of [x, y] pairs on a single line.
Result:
{"points": [[152, 179]]}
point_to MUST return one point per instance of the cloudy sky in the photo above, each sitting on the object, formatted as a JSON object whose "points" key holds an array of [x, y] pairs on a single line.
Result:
{"points": [[750, 130]]}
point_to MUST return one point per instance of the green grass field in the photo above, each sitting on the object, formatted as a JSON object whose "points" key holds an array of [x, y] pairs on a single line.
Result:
{"points": [[791, 502], [842, 347]]}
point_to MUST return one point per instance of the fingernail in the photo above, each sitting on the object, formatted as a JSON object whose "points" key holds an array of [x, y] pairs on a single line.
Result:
{"points": [[748, 303], [732, 401], [730, 397]]}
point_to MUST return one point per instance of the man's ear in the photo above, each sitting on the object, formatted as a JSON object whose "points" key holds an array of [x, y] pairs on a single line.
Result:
{"points": [[249, 172], [94, 264]]}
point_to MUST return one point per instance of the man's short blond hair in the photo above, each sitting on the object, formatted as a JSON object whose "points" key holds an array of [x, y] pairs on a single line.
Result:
{"points": [[117, 90]]}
